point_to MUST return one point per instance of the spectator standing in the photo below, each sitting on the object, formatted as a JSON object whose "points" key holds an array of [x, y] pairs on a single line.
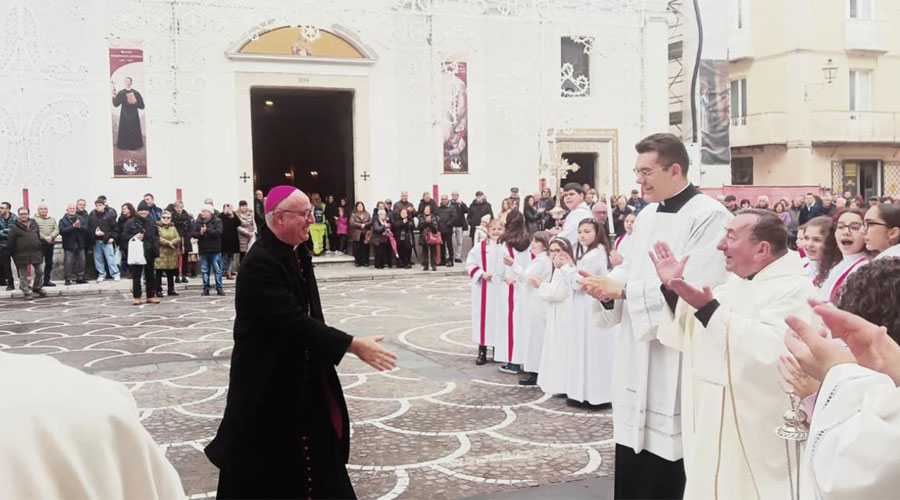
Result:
{"points": [[25, 247], [7, 219], [514, 197], [427, 200], [381, 226], [341, 224], [231, 243], [506, 206], [247, 228], [533, 220], [636, 202], [330, 213], [127, 212], [545, 205], [208, 232], [404, 232], [259, 209], [811, 210], [590, 198], [782, 214], [731, 203], [142, 228], [428, 227], [73, 228], [459, 224], [404, 203], [446, 215], [49, 230], [167, 262], [81, 208], [153, 211], [104, 231], [619, 214], [360, 225], [762, 202], [183, 223], [828, 206], [794, 212], [477, 210], [600, 213]]}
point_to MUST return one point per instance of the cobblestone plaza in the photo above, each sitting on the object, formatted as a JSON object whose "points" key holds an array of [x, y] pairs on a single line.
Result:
{"points": [[437, 427]]}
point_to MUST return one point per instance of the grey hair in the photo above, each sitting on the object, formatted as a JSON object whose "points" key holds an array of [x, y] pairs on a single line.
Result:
{"points": [[270, 216]]}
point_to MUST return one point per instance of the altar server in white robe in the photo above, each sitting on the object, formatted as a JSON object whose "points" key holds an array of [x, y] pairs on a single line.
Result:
{"points": [[881, 231], [731, 339], [485, 267], [532, 309], [67, 434], [591, 349], [557, 294], [849, 239], [646, 404], [854, 436], [514, 242], [573, 197]]}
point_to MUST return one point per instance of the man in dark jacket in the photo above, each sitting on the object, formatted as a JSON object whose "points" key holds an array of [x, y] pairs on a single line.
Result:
{"points": [[208, 232], [25, 247], [259, 210], [404, 203], [447, 215], [286, 431], [459, 224], [427, 200], [7, 219], [73, 229], [811, 210], [104, 228], [478, 209]]}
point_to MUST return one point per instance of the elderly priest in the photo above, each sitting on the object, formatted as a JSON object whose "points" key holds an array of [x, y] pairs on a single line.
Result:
{"points": [[731, 340]]}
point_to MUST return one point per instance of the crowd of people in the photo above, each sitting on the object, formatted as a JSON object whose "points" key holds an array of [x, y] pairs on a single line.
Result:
{"points": [[694, 320]]}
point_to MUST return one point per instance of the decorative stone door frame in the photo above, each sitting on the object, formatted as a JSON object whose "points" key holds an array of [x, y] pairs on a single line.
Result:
{"points": [[604, 142]]}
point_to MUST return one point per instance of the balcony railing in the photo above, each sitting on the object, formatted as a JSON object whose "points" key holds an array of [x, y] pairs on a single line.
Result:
{"points": [[866, 36], [758, 129], [854, 126]]}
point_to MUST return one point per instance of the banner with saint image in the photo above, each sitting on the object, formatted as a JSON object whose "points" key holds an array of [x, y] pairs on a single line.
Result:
{"points": [[455, 122], [129, 123]]}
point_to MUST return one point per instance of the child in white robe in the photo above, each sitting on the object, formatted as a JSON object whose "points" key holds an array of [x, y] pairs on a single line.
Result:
{"points": [[514, 242], [557, 294], [531, 309], [591, 349], [848, 237], [485, 267]]}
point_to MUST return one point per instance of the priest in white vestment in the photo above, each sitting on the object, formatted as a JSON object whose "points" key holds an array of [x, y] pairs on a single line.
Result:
{"points": [[67, 434], [731, 339], [646, 374], [854, 436]]}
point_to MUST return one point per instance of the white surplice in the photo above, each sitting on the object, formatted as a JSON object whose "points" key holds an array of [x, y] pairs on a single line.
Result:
{"points": [[839, 274], [67, 434], [488, 297], [854, 436], [511, 315], [646, 405], [557, 294], [591, 348], [532, 312], [890, 252], [731, 400]]}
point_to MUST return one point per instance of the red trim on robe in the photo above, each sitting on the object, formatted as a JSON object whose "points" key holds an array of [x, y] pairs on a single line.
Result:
{"points": [[512, 296], [619, 241], [472, 274], [483, 288], [840, 281]]}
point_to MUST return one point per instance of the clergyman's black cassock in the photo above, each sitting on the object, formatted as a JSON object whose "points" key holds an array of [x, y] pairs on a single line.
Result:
{"points": [[286, 431], [130, 137]]}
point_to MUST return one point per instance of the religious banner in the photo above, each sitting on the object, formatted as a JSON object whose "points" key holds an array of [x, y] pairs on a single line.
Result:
{"points": [[129, 123], [455, 122]]}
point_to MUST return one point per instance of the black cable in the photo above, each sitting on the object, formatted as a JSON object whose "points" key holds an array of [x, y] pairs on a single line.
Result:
{"points": [[696, 71]]}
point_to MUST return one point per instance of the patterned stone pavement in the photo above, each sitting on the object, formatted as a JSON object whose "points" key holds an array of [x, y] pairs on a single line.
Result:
{"points": [[436, 427]]}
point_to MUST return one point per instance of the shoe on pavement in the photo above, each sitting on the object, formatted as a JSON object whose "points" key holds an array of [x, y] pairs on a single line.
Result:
{"points": [[67, 283], [220, 292], [10, 288], [50, 284], [172, 293], [40, 291], [29, 296], [153, 300], [205, 292], [81, 282], [184, 280], [530, 379], [458, 261], [136, 302], [100, 280], [508, 369], [116, 279]]}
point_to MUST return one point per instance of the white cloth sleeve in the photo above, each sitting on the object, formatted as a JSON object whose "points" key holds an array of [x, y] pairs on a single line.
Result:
{"points": [[473, 264], [607, 318], [556, 290], [644, 303]]}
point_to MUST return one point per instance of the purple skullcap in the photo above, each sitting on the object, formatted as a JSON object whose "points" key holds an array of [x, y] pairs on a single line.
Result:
{"points": [[276, 195]]}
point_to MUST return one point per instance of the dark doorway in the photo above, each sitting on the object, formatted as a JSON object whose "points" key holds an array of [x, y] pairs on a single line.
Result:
{"points": [[303, 138], [585, 174]]}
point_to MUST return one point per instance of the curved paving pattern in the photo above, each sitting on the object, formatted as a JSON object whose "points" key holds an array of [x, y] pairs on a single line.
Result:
{"points": [[437, 427]]}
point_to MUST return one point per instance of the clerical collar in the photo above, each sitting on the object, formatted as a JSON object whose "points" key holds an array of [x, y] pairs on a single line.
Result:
{"points": [[675, 203]]}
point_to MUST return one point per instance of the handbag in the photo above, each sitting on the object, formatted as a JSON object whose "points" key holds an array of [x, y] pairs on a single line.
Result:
{"points": [[368, 239], [433, 238], [136, 252]]}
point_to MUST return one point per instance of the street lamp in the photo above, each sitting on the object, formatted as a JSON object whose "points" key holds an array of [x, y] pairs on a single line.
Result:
{"points": [[829, 71]]}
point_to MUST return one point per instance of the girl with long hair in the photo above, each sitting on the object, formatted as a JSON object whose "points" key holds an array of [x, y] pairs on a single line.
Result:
{"points": [[848, 239], [820, 248], [881, 230], [533, 219], [590, 359], [485, 267], [531, 311], [622, 242], [514, 244], [557, 294]]}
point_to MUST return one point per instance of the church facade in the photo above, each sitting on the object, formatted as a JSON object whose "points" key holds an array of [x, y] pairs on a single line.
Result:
{"points": [[358, 99]]}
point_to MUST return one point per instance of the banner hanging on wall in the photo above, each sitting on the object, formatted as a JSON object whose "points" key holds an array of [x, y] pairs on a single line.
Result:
{"points": [[129, 123], [455, 121]]}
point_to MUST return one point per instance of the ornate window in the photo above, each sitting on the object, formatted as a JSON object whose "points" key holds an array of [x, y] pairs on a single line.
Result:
{"points": [[575, 71]]}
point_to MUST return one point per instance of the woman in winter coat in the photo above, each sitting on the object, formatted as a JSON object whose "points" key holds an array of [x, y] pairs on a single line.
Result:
{"points": [[428, 224], [247, 228], [403, 232], [533, 220], [360, 222], [169, 243], [183, 222], [125, 214], [142, 228], [230, 241]]}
